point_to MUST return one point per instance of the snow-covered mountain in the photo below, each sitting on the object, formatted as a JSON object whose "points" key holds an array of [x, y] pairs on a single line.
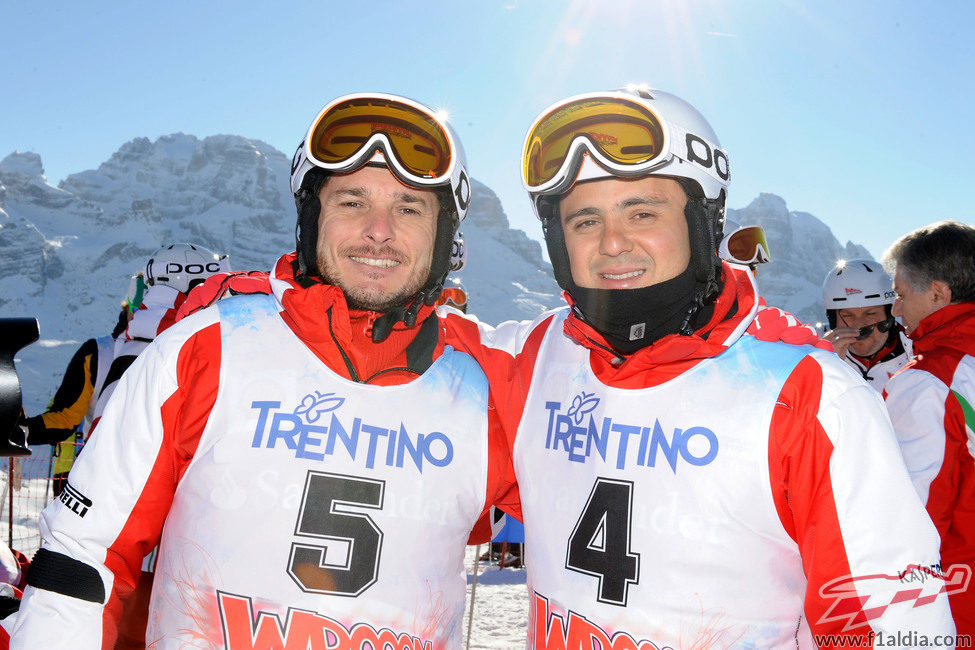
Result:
{"points": [[66, 252], [803, 250]]}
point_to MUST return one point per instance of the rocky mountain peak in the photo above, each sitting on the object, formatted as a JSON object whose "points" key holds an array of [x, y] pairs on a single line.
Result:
{"points": [[66, 252], [22, 163]]}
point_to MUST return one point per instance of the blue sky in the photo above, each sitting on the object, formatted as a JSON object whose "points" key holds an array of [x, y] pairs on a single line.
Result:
{"points": [[858, 112]]}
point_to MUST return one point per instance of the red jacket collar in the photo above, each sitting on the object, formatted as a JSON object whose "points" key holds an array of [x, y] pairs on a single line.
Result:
{"points": [[952, 325], [319, 316], [305, 304], [673, 354]]}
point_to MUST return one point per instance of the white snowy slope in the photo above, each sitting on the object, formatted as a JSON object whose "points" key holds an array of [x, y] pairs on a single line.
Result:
{"points": [[66, 252]]}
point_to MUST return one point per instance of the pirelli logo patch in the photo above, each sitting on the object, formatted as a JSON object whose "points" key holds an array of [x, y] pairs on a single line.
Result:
{"points": [[74, 500]]}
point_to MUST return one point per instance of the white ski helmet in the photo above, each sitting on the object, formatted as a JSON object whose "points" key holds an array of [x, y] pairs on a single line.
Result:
{"points": [[629, 133], [416, 144], [183, 266], [563, 145], [353, 130], [856, 283]]}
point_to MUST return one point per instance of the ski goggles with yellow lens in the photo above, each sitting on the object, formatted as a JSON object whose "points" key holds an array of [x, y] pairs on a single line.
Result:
{"points": [[746, 246], [622, 133], [417, 146]]}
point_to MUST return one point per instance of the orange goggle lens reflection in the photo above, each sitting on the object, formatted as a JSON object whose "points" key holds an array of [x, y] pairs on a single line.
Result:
{"points": [[749, 245], [625, 132], [452, 296], [419, 142]]}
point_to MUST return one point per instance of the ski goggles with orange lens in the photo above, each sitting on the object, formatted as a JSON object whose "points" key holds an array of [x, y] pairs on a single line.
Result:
{"points": [[746, 246], [453, 297], [624, 135], [349, 131]]}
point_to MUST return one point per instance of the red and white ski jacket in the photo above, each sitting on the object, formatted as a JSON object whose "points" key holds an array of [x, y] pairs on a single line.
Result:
{"points": [[714, 490], [292, 506], [932, 405]]}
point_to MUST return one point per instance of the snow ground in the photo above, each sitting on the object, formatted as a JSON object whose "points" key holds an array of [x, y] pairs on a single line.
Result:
{"points": [[500, 606]]}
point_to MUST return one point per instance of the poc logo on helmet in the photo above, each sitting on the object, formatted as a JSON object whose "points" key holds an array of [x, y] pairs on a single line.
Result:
{"points": [[193, 269], [700, 152], [183, 266]]}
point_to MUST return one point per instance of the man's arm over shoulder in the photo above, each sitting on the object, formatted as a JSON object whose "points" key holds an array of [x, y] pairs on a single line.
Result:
{"points": [[466, 332], [507, 354], [844, 495], [119, 492], [220, 285]]}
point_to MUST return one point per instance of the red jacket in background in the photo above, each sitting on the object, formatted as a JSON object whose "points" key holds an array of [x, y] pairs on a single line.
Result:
{"points": [[930, 402]]}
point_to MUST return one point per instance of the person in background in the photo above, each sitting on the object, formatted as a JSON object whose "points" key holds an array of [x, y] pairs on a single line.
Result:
{"points": [[453, 293], [859, 298], [931, 400], [170, 274], [67, 421], [744, 245]]}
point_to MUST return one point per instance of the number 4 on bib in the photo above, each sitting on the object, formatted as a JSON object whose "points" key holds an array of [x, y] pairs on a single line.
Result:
{"points": [[600, 543]]}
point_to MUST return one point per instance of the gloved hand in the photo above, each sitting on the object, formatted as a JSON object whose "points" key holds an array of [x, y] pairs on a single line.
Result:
{"points": [[774, 324], [217, 286]]}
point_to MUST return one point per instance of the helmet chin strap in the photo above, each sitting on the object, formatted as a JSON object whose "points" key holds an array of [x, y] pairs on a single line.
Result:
{"points": [[383, 325]]}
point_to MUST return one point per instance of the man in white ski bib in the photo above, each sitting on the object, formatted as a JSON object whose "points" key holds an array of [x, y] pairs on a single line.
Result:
{"points": [[684, 484], [310, 461]]}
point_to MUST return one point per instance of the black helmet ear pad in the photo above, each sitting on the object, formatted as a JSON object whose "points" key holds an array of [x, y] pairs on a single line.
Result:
{"points": [[831, 317], [306, 228], [547, 208], [306, 236], [440, 263]]}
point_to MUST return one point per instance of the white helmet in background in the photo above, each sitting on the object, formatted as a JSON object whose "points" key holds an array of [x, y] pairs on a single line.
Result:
{"points": [[453, 295], [183, 266], [856, 283]]}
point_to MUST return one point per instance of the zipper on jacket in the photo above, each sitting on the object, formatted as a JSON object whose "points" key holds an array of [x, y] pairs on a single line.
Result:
{"points": [[348, 362]]}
